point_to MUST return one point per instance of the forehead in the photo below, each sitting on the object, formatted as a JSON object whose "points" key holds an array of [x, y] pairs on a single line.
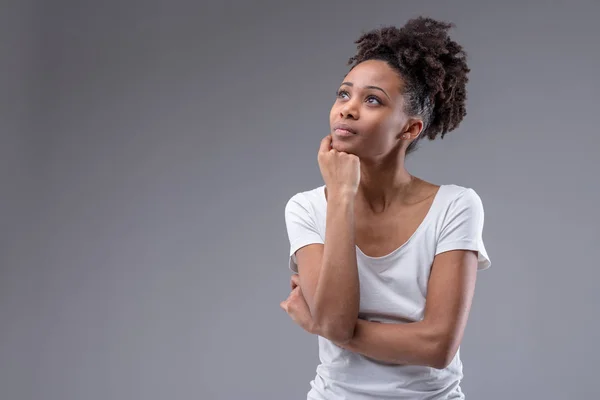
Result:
{"points": [[375, 73]]}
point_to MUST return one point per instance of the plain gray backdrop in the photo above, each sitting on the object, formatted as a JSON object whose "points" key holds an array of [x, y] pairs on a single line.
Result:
{"points": [[148, 150]]}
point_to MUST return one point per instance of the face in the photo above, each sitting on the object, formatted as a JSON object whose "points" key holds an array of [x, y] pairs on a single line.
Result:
{"points": [[367, 118]]}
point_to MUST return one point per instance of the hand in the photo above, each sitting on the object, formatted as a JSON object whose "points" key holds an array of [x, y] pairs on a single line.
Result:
{"points": [[296, 307], [340, 170]]}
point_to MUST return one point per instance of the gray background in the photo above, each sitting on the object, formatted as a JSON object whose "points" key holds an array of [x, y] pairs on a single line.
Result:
{"points": [[148, 150]]}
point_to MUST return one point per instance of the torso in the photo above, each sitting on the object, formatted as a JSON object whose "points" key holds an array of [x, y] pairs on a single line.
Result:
{"points": [[394, 276]]}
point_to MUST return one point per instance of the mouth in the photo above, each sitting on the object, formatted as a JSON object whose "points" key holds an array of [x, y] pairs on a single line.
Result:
{"points": [[343, 129]]}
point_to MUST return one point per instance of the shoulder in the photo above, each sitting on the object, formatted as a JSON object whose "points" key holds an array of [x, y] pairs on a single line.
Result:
{"points": [[460, 203], [309, 200], [456, 194], [461, 222]]}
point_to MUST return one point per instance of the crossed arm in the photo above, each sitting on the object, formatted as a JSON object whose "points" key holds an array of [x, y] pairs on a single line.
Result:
{"points": [[432, 341]]}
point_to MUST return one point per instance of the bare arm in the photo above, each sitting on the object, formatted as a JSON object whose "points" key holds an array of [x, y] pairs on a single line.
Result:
{"points": [[433, 341], [329, 274]]}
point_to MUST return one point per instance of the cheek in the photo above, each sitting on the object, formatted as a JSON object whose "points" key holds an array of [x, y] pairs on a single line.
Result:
{"points": [[382, 133], [390, 126], [333, 112], [377, 125]]}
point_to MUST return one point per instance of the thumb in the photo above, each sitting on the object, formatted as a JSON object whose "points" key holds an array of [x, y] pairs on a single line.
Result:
{"points": [[325, 144]]}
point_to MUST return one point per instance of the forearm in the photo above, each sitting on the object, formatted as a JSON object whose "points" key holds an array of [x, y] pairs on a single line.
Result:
{"points": [[336, 299], [417, 343]]}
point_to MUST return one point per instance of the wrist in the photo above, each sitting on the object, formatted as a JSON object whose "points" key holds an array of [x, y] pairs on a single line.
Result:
{"points": [[341, 194]]}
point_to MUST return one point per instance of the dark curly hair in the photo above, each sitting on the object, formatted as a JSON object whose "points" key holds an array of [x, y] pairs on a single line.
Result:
{"points": [[433, 67]]}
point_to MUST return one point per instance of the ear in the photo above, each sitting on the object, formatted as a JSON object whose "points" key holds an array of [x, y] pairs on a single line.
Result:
{"points": [[412, 129]]}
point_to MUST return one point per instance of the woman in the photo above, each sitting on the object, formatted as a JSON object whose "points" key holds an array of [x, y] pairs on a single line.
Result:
{"points": [[387, 287]]}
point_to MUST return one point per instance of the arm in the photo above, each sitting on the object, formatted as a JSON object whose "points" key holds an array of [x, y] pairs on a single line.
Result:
{"points": [[327, 268], [435, 340], [328, 273]]}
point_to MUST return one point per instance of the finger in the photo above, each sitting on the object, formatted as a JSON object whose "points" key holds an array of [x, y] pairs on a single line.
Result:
{"points": [[325, 144], [295, 281]]}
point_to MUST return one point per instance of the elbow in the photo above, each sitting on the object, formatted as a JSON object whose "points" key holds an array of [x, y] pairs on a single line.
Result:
{"points": [[337, 328], [337, 332], [443, 353]]}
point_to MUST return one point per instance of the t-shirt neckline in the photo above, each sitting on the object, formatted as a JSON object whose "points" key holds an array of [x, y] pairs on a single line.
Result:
{"points": [[421, 226]]}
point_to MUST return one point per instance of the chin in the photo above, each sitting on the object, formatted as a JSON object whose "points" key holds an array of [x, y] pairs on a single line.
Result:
{"points": [[346, 147]]}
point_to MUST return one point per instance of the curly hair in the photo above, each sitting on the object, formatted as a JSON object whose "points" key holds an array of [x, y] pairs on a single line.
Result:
{"points": [[433, 67]]}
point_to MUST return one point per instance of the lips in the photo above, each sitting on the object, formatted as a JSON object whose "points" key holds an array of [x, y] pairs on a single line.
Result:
{"points": [[344, 127]]}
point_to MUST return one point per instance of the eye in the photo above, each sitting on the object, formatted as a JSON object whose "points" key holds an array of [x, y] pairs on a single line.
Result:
{"points": [[376, 100], [342, 94]]}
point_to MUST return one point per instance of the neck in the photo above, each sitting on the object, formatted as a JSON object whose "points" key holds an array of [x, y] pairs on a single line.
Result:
{"points": [[382, 182]]}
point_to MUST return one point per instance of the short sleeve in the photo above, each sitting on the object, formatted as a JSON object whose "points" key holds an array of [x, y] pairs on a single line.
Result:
{"points": [[462, 228], [301, 227]]}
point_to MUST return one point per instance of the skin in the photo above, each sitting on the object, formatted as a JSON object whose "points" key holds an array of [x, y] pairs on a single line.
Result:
{"points": [[387, 206], [334, 264]]}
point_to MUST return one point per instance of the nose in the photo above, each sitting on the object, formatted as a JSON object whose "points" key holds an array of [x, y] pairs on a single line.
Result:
{"points": [[349, 110]]}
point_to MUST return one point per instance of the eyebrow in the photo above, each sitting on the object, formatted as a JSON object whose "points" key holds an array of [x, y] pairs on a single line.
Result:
{"points": [[367, 87]]}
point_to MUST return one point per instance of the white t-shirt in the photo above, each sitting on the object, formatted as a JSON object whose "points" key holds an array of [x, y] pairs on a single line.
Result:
{"points": [[393, 289]]}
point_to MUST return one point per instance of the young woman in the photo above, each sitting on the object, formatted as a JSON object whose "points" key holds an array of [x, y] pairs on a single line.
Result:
{"points": [[387, 287]]}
